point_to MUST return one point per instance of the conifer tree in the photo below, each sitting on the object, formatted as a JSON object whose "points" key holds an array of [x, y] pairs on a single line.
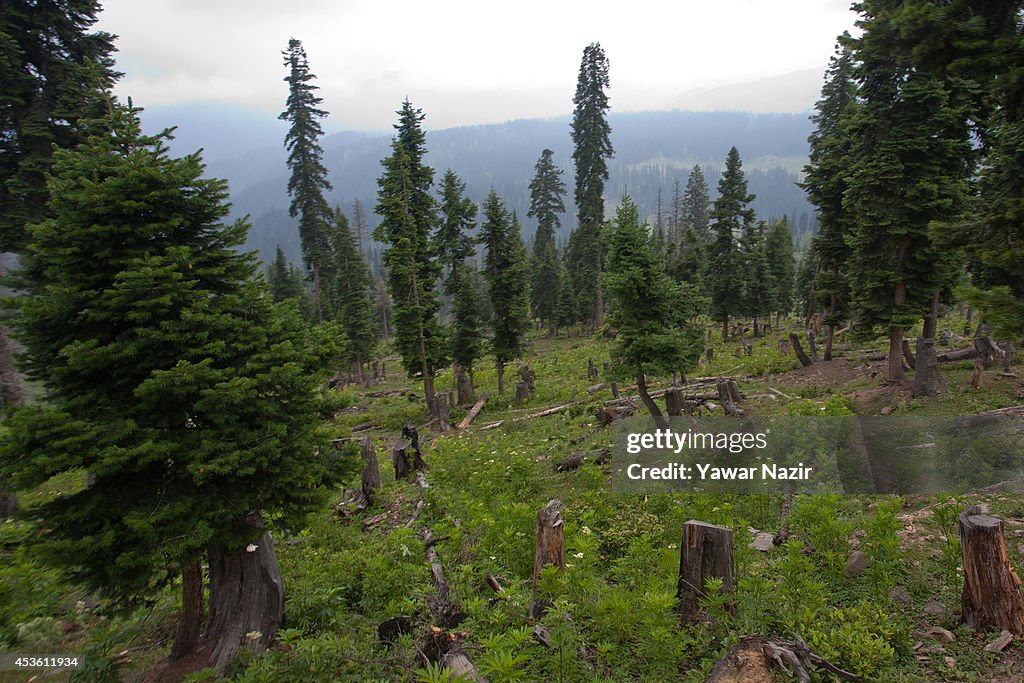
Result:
{"points": [[308, 180], [825, 183], [907, 169], [286, 282], [508, 281], [591, 137], [454, 246], [350, 296], [781, 265], [730, 216], [546, 192], [408, 215], [650, 311], [173, 381], [758, 279], [693, 209]]}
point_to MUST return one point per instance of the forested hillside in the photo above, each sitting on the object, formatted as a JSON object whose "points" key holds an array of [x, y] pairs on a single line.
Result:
{"points": [[656, 396]]}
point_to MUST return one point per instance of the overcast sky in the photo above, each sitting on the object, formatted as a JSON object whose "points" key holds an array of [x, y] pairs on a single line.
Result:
{"points": [[462, 61]]}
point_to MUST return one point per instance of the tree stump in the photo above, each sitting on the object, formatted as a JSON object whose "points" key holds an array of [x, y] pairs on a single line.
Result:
{"points": [[406, 455], [527, 375], [591, 369], [246, 600], [927, 378], [615, 389], [784, 347], [727, 395], [979, 365], [805, 360], [987, 350], [674, 402], [549, 550], [440, 411], [371, 470], [705, 553], [522, 392], [709, 354], [991, 598], [463, 385]]}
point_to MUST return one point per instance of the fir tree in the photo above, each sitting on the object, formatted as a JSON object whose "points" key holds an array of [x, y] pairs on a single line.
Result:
{"points": [[467, 324], [650, 312], [693, 209], [825, 182], [350, 296], [907, 169], [452, 241], [546, 192], [408, 215], [308, 180], [172, 380], [758, 279], [781, 265], [286, 282], [591, 137], [508, 281], [730, 216]]}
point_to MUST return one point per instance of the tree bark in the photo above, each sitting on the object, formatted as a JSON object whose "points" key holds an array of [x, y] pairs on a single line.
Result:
{"points": [[522, 392], [991, 599], [371, 470], [463, 384], [652, 407], [549, 549], [705, 552], [501, 378], [190, 619], [474, 411], [927, 379], [246, 600], [674, 402], [908, 354], [12, 390], [728, 395], [799, 350]]}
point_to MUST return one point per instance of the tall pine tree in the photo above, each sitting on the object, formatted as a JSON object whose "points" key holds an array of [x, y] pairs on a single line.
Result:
{"points": [[508, 281], [592, 147], [308, 180], [693, 209], [781, 265], [408, 215], [153, 351], [731, 216], [350, 296], [546, 203]]}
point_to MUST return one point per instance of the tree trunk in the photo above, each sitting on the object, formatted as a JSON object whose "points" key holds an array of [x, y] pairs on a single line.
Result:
{"points": [[1008, 349], [246, 600], [371, 470], [463, 384], [501, 377], [549, 549], [799, 350], [522, 392], [728, 395], [927, 379], [705, 552], [12, 390], [725, 329], [991, 599], [908, 354], [674, 402], [757, 330], [895, 373], [811, 345], [190, 619], [652, 407]]}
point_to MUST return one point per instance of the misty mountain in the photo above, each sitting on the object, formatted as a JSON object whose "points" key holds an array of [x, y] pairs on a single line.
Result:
{"points": [[653, 150]]}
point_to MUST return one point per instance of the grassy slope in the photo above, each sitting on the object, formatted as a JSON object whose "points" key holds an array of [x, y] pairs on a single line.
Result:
{"points": [[613, 617]]}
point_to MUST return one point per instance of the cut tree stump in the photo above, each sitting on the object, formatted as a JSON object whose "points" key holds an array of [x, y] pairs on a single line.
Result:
{"points": [[784, 347], [591, 369], [522, 392], [527, 375], [705, 553], [709, 354], [805, 360], [991, 599], [371, 470], [674, 402], [979, 366], [576, 460], [928, 380], [549, 550], [406, 455], [464, 386], [728, 395]]}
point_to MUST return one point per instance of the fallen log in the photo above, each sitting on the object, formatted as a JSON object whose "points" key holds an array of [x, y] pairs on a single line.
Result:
{"points": [[576, 460], [473, 412], [794, 341], [959, 354]]}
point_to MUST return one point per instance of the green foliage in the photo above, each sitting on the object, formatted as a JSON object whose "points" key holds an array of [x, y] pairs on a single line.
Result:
{"points": [[546, 203], [349, 293], [152, 350], [54, 72], [730, 216], [407, 212], [693, 209], [781, 265], [308, 180]]}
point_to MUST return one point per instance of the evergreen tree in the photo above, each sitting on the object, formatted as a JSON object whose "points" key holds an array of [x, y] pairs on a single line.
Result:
{"points": [[650, 313], [408, 214], [54, 72], [693, 209], [781, 265], [825, 182], [591, 137], [285, 280], [508, 281], [454, 246], [546, 192], [350, 295], [684, 262], [730, 216], [907, 169], [308, 180], [172, 380], [758, 279], [565, 306]]}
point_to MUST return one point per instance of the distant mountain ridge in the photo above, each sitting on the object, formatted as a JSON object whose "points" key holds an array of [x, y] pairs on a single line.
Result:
{"points": [[652, 150]]}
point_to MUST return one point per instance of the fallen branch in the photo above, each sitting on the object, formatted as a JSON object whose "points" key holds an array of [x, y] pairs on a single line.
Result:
{"points": [[576, 460], [473, 412]]}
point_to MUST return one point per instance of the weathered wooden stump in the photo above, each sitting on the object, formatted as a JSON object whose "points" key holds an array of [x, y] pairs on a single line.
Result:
{"points": [[705, 553], [549, 550], [805, 360], [615, 389], [709, 354], [522, 392], [729, 396], [979, 366], [927, 378], [439, 409], [674, 402], [991, 599], [591, 369], [371, 470], [527, 375], [784, 347], [463, 385], [406, 455]]}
